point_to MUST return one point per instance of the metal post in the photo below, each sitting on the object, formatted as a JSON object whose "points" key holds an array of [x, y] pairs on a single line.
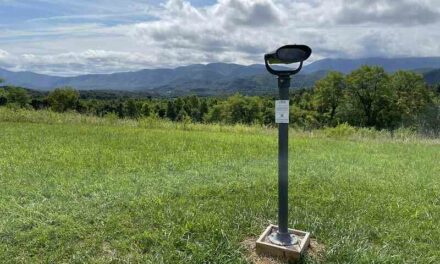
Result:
{"points": [[283, 143], [282, 237]]}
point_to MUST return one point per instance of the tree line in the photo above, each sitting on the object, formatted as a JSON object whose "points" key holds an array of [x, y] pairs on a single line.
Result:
{"points": [[367, 97]]}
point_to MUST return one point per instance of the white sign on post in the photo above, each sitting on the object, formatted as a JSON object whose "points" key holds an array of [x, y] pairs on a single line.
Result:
{"points": [[282, 111]]}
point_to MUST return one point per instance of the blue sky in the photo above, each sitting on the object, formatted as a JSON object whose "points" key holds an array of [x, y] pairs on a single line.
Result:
{"points": [[76, 37]]}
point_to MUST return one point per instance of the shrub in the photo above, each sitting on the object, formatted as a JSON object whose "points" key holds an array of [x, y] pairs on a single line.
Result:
{"points": [[429, 121], [341, 130]]}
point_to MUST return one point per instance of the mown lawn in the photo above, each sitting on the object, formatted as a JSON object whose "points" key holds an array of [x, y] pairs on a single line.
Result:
{"points": [[84, 193]]}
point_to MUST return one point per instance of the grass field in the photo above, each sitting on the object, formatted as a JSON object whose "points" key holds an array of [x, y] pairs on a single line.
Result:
{"points": [[96, 192]]}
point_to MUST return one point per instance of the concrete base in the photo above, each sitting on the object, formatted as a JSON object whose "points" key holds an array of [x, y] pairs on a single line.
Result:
{"points": [[290, 253]]}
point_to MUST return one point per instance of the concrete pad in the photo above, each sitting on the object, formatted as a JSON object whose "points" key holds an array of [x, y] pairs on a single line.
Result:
{"points": [[290, 253]]}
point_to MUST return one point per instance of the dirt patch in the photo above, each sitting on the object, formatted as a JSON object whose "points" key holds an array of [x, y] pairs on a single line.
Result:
{"points": [[253, 257], [315, 251]]}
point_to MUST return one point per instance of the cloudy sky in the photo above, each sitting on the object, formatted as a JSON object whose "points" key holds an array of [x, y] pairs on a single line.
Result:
{"points": [[70, 37]]}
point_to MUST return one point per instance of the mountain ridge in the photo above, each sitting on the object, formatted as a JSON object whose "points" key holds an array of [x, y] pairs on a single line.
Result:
{"points": [[389, 64], [214, 78]]}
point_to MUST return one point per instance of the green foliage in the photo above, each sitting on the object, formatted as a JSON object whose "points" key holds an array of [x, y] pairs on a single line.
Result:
{"points": [[428, 122], [328, 95], [410, 97], [340, 131], [63, 99], [367, 96], [131, 109], [303, 118], [238, 109], [3, 97], [303, 113], [182, 116], [112, 118], [146, 111], [16, 96], [172, 111]]}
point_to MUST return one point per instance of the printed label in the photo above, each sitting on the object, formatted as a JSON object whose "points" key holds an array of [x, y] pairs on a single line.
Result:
{"points": [[282, 111]]}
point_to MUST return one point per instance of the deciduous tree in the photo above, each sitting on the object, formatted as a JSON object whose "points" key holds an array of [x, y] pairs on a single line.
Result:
{"points": [[328, 94], [63, 99], [18, 97], [367, 95], [410, 96]]}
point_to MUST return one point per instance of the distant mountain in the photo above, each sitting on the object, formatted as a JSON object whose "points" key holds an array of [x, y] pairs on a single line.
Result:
{"points": [[263, 83], [210, 79], [214, 78], [138, 80], [29, 79], [432, 77], [389, 64]]}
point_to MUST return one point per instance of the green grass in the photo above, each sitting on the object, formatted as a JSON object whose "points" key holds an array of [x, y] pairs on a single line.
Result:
{"points": [[100, 191]]}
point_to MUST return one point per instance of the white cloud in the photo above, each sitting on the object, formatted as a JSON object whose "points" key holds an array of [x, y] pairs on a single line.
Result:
{"points": [[251, 27], [6, 59], [231, 30], [255, 13], [97, 61], [3, 54], [178, 33], [405, 12], [71, 63]]}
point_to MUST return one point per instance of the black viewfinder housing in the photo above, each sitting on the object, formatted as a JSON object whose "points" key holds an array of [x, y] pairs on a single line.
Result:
{"points": [[286, 55]]}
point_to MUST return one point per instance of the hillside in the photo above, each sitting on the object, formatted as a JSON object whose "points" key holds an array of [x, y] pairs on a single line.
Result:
{"points": [[138, 80], [432, 77], [214, 78], [389, 64], [210, 79]]}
